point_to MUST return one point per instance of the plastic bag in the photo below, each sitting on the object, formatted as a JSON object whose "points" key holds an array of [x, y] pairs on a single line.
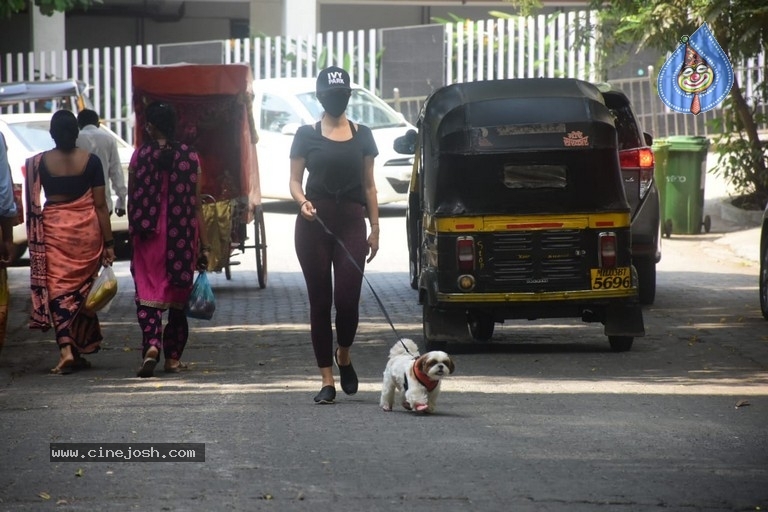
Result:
{"points": [[201, 303], [103, 291]]}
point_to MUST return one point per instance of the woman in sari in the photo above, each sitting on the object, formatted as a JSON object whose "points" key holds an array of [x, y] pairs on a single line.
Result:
{"points": [[69, 238], [168, 236]]}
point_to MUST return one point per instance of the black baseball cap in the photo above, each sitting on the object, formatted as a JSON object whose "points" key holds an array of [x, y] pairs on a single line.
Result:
{"points": [[332, 78]]}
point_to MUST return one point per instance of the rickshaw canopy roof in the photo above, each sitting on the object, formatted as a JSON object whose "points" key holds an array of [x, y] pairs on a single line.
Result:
{"points": [[17, 92], [213, 104], [517, 114], [194, 79]]}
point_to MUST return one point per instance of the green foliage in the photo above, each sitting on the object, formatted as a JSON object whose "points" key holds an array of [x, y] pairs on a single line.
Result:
{"points": [[741, 162], [47, 7]]}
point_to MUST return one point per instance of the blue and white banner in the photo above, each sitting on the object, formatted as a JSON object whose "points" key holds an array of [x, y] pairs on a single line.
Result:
{"points": [[697, 76]]}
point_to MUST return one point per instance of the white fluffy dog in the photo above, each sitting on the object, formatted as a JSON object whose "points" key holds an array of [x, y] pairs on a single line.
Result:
{"points": [[414, 378]]}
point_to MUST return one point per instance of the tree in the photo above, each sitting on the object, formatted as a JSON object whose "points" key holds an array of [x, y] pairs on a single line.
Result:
{"points": [[741, 28], [47, 7]]}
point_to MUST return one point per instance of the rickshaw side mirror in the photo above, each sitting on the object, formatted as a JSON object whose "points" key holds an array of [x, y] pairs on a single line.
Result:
{"points": [[648, 139], [406, 144]]}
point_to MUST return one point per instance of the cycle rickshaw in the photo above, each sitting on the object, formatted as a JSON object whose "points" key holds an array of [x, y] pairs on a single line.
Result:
{"points": [[213, 104]]}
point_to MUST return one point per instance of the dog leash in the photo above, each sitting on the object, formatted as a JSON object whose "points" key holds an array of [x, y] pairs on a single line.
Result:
{"points": [[370, 286]]}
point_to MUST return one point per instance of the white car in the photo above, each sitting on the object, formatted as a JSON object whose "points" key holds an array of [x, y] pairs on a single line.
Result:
{"points": [[281, 105], [27, 135]]}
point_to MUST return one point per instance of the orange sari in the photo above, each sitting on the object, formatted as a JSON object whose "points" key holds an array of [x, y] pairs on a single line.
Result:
{"points": [[65, 248]]}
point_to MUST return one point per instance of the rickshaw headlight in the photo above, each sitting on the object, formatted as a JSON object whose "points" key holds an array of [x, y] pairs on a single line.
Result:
{"points": [[466, 282]]}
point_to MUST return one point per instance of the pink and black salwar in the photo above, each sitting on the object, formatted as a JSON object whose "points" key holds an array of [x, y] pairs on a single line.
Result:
{"points": [[164, 234], [65, 251]]}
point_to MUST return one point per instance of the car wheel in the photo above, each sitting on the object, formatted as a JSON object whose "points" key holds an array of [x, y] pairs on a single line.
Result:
{"points": [[123, 248], [480, 326], [668, 228], [764, 280], [646, 274], [20, 250], [620, 343]]}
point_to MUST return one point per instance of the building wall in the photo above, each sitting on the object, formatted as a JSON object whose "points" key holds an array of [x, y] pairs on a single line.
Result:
{"points": [[131, 22]]}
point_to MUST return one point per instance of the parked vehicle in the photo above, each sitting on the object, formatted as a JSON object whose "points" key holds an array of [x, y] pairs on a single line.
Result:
{"points": [[281, 105], [764, 265], [44, 96], [27, 135], [637, 168], [517, 210]]}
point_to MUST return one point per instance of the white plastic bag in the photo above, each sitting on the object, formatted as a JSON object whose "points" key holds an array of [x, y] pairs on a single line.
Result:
{"points": [[102, 292]]}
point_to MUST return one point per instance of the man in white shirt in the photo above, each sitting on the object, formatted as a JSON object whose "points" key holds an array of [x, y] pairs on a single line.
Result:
{"points": [[7, 208], [103, 145]]}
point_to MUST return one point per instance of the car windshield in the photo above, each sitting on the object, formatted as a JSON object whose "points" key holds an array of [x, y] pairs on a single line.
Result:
{"points": [[364, 108], [33, 134]]}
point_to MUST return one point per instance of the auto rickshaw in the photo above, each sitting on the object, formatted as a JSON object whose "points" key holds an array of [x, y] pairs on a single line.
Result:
{"points": [[517, 210]]}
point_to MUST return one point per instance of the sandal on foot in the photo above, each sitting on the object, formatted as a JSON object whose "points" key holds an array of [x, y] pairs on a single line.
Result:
{"points": [[176, 368], [81, 363], [348, 376], [147, 368], [62, 370], [326, 395], [65, 367]]}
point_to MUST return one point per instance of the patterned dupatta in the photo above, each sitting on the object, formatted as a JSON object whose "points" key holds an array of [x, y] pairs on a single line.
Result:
{"points": [[41, 313], [181, 220]]}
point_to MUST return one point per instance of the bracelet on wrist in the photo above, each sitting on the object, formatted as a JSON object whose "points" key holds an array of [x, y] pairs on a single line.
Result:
{"points": [[109, 243], [303, 203]]}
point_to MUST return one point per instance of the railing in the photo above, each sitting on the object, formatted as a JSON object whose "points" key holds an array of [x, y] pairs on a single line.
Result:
{"points": [[543, 45], [534, 46], [660, 121], [408, 106]]}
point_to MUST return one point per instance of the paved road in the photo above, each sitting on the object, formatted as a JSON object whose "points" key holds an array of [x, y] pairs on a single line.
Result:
{"points": [[545, 419]]}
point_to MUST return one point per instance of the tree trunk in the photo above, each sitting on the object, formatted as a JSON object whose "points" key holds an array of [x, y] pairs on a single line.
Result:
{"points": [[744, 115]]}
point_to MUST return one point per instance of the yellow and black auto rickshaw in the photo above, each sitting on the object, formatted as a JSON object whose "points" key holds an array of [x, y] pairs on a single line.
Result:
{"points": [[517, 210]]}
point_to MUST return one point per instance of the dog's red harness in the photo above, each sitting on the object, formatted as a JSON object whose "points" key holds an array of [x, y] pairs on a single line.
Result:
{"points": [[423, 378]]}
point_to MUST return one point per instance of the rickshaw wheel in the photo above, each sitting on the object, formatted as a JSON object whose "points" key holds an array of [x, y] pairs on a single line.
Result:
{"points": [[620, 343], [481, 326], [260, 245], [414, 275], [227, 272], [430, 343]]}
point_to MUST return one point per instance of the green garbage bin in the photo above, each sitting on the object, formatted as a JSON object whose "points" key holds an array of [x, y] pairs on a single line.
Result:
{"points": [[684, 185], [661, 163]]}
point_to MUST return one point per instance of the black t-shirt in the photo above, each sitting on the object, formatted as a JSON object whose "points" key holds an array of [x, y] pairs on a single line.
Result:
{"points": [[73, 186], [335, 168]]}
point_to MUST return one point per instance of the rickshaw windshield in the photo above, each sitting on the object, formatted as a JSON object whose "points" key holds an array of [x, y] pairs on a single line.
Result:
{"points": [[529, 183]]}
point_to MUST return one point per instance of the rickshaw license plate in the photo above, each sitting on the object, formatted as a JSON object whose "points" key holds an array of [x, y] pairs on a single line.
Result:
{"points": [[611, 278]]}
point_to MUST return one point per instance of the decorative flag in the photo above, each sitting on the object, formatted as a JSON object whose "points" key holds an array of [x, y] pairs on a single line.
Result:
{"points": [[697, 76]]}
